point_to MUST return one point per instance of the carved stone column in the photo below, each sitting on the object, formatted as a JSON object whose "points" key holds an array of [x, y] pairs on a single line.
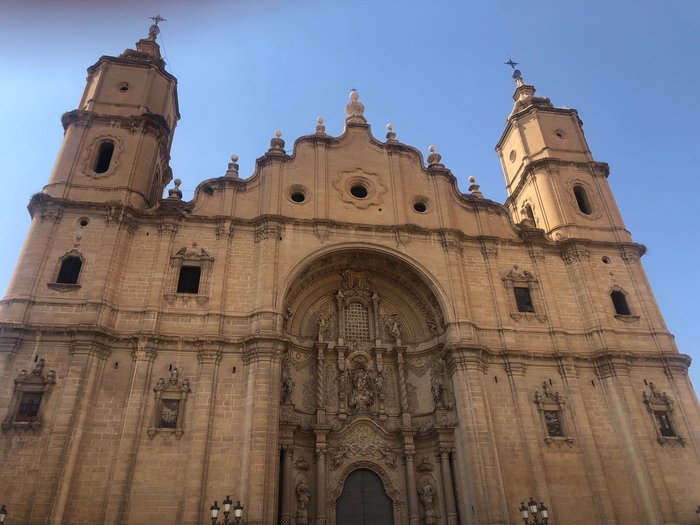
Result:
{"points": [[321, 518], [447, 488], [341, 318], [320, 382], [259, 475], [403, 395], [287, 473], [342, 379], [125, 459], [614, 376], [375, 316], [197, 459], [63, 449], [411, 490]]}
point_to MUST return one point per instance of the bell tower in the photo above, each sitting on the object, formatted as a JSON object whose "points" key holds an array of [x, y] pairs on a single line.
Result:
{"points": [[551, 177], [116, 145]]}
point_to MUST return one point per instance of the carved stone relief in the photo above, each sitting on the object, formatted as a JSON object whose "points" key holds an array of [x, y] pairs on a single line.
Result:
{"points": [[362, 441]]}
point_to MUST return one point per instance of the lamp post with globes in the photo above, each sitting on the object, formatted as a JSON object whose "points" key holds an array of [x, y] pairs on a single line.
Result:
{"points": [[237, 512], [532, 515], [3, 513]]}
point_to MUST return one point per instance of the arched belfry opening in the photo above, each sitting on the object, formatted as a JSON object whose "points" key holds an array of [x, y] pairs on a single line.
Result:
{"points": [[366, 384]]}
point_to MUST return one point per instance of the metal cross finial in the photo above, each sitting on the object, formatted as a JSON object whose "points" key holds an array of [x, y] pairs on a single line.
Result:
{"points": [[154, 30], [511, 63]]}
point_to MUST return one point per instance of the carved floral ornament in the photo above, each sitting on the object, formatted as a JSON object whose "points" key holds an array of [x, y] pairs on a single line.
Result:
{"points": [[362, 441]]}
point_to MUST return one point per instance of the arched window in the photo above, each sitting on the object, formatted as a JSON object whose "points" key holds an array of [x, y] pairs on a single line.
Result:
{"points": [[584, 204], [529, 213], [104, 156], [620, 303], [356, 322], [70, 270]]}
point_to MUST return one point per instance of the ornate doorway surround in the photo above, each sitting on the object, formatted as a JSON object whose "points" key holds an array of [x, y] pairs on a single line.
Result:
{"points": [[366, 395]]}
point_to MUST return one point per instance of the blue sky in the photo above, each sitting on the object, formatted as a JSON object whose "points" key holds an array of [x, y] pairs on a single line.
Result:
{"points": [[435, 70]]}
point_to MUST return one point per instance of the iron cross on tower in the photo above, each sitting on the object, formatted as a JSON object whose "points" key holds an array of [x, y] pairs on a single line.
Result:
{"points": [[154, 29]]}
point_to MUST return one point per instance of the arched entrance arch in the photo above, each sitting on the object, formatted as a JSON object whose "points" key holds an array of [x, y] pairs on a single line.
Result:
{"points": [[365, 386], [363, 500]]}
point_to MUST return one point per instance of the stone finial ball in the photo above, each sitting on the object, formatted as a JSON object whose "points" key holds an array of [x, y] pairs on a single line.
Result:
{"points": [[177, 182], [354, 96], [472, 179], [234, 158], [319, 121], [278, 133], [432, 149]]}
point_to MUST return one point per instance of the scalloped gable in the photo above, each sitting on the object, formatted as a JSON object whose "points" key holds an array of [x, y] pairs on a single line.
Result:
{"points": [[354, 178]]}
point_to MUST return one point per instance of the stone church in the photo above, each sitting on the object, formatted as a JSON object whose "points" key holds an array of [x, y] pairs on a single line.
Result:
{"points": [[342, 338]]}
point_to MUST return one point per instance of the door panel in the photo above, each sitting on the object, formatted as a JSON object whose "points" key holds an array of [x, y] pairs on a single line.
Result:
{"points": [[364, 501]]}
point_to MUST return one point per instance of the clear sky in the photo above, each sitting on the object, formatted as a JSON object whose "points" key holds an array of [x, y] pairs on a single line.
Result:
{"points": [[433, 69]]}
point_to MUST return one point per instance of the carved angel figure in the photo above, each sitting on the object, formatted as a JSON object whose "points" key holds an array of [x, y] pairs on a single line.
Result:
{"points": [[394, 328]]}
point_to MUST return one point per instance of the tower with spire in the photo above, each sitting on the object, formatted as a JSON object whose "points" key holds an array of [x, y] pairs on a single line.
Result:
{"points": [[552, 179], [116, 146]]}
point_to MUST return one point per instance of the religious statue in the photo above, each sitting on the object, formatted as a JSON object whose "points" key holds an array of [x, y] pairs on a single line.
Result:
{"points": [[362, 394], [427, 497], [437, 383], [322, 328], [287, 388], [303, 498]]}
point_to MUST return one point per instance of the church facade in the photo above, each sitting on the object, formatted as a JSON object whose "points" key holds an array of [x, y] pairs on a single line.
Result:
{"points": [[344, 337]]}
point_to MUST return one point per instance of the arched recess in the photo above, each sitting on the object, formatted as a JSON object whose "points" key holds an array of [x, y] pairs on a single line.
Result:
{"points": [[365, 380], [408, 297]]}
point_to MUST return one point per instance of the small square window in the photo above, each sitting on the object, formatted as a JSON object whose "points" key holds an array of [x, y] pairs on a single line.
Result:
{"points": [[523, 299], [552, 420], [188, 282], [664, 423], [168, 413], [28, 398], [28, 409]]}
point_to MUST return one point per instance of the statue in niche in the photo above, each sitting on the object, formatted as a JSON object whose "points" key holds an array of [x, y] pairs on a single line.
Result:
{"points": [[303, 498], [381, 385], [427, 497], [437, 383], [287, 389], [323, 327], [362, 394]]}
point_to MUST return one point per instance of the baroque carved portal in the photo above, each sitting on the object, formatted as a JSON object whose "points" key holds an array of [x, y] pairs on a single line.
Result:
{"points": [[373, 387]]}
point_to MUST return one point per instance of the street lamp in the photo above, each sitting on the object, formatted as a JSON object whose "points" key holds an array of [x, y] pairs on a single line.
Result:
{"points": [[3, 513], [237, 512], [531, 515]]}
